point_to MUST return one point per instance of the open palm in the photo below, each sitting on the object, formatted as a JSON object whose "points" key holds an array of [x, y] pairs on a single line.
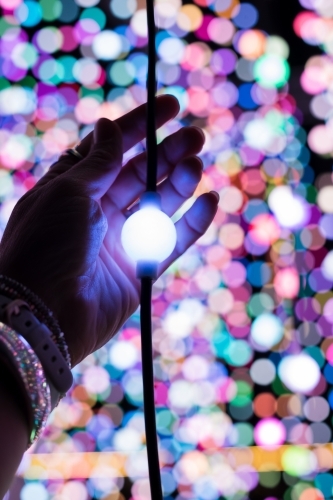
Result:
{"points": [[63, 238]]}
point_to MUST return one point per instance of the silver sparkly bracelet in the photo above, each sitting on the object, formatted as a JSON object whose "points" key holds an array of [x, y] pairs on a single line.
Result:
{"points": [[23, 359]]}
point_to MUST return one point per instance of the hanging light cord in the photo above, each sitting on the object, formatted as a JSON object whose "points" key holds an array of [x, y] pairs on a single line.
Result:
{"points": [[151, 91], [146, 283], [148, 390]]}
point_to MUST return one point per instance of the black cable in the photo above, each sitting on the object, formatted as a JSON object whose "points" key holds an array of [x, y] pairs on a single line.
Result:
{"points": [[146, 282], [151, 144], [148, 390]]}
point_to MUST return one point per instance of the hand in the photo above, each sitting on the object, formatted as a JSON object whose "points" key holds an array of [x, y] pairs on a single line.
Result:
{"points": [[63, 238]]}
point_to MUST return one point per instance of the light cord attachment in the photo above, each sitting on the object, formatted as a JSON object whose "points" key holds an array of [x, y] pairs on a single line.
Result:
{"points": [[151, 199], [147, 269]]}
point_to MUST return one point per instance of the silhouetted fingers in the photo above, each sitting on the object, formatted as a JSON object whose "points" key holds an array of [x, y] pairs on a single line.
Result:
{"points": [[132, 126], [193, 225], [131, 181]]}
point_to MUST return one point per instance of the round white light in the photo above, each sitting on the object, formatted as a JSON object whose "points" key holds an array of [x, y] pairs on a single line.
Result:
{"points": [[267, 330], [149, 235], [299, 372], [123, 355], [259, 133], [107, 45], [290, 210], [269, 432]]}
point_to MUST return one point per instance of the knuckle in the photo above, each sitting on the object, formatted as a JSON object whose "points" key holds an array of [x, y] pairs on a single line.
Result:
{"points": [[67, 185]]}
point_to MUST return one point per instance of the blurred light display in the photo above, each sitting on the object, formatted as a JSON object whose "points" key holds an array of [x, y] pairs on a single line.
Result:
{"points": [[243, 321], [314, 26]]}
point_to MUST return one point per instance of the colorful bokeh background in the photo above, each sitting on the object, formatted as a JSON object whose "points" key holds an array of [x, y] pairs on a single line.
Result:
{"points": [[243, 322]]}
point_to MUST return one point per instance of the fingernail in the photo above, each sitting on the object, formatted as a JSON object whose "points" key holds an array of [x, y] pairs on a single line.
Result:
{"points": [[200, 131], [104, 130], [200, 161], [217, 196], [167, 95]]}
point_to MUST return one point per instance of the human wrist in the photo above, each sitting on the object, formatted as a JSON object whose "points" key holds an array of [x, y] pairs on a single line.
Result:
{"points": [[11, 383], [16, 313], [28, 367], [33, 320], [17, 290], [14, 423]]}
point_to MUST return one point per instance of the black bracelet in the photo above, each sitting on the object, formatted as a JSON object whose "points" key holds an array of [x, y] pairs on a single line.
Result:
{"points": [[15, 290]]}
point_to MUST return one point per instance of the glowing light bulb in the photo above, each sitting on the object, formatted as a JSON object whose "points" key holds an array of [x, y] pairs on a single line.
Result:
{"points": [[149, 235]]}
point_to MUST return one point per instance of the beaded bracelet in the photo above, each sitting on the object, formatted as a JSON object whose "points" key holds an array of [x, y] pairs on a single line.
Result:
{"points": [[15, 290], [27, 364]]}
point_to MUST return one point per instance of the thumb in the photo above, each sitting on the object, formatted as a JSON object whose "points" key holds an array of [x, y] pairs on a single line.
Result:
{"points": [[101, 166]]}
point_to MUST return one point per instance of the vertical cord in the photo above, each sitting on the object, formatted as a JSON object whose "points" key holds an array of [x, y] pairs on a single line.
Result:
{"points": [[148, 389], [146, 283], [151, 91]]}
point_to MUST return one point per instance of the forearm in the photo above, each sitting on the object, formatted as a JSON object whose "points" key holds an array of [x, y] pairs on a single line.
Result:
{"points": [[13, 425]]}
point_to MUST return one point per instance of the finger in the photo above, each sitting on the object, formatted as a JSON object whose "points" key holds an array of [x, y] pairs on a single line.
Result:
{"points": [[133, 127], [180, 185], [131, 181], [97, 171], [66, 161], [133, 124], [193, 225]]}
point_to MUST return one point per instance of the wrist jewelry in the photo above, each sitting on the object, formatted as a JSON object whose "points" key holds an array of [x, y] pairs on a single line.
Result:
{"points": [[15, 290], [17, 315], [22, 357], [32, 341]]}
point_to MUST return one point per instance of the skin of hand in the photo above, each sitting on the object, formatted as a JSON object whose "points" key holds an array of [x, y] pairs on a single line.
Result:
{"points": [[62, 240]]}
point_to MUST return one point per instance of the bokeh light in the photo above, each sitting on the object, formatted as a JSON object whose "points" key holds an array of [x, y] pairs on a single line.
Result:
{"points": [[299, 372], [243, 321]]}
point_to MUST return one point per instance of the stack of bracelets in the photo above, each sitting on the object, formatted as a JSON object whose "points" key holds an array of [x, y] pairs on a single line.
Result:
{"points": [[34, 349]]}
